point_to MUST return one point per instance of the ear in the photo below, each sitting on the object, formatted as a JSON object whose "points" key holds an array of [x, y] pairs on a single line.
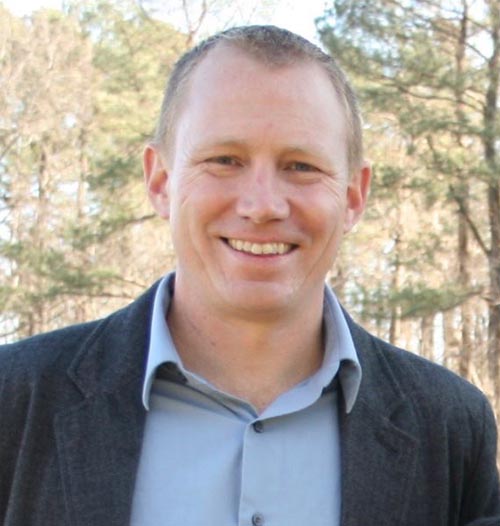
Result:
{"points": [[156, 179], [357, 195]]}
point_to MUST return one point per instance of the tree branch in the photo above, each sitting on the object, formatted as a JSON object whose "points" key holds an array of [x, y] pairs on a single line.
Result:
{"points": [[465, 213]]}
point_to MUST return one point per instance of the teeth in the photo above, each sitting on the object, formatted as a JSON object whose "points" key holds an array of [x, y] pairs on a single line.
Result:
{"points": [[260, 248]]}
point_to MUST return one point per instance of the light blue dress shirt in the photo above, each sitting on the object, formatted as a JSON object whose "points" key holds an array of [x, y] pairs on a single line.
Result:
{"points": [[209, 458]]}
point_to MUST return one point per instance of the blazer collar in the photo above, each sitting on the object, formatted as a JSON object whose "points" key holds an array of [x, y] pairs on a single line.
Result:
{"points": [[99, 440], [379, 442]]}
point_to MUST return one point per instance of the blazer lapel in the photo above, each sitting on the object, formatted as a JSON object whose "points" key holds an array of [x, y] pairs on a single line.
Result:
{"points": [[379, 444], [99, 440], [98, 446]]}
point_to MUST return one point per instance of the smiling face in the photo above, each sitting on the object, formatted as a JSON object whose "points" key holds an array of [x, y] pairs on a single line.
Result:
{"points": [[256, 188]]}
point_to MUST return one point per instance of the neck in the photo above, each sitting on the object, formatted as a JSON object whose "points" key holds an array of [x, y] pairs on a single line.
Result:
{"points": [[255, 360]]}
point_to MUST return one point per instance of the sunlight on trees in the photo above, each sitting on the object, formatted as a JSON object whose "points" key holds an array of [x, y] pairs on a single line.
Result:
{"points": [[80, 94]]}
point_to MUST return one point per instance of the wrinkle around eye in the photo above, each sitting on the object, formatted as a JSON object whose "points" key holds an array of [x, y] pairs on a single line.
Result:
{"points": [[222, 165]]}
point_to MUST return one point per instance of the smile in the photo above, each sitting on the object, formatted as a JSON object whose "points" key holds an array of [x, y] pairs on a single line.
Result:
{"points": [[258, 249]]}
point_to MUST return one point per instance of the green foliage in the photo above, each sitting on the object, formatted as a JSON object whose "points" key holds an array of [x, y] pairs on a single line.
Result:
{"points": [[410, 302], [82, 94], [421, 300], [421, 70]]}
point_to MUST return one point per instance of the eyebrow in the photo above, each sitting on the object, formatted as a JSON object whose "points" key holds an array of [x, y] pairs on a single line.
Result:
{"points": [[225, 143], [303, 150], [315, 153], [288, 150]]}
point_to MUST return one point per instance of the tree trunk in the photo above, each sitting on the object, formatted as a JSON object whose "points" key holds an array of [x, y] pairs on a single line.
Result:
{"points": [[493, 195], [427, 337], [451, 340]]}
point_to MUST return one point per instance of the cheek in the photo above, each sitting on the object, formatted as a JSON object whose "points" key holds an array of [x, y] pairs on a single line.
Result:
{"points": [[323, 211], [198, 205]]}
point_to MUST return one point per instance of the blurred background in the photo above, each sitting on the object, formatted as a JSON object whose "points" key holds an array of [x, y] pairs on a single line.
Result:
{"points": [[80, 90]]}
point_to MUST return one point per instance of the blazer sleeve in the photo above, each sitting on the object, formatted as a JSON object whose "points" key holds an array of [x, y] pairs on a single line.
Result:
{"points": [[14, 405], [482, 494], [33, 387]]}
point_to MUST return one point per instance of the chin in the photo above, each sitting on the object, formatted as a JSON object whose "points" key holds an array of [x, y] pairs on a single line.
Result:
{"points": [[260, 298]]}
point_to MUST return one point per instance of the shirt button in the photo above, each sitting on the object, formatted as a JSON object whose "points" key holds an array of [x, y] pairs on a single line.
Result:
{"points": [[258, 519], [258, 426]]}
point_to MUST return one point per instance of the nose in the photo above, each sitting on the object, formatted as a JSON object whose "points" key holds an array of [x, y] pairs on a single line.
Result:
{"points": [[262, 196]]}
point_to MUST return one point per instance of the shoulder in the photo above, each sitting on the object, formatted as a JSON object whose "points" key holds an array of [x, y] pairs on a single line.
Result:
{"points": [[451, 419], [35, 386], [48, 373], [54, 351], [33, 355], [428, 382], [411, 371], [440, 398]]}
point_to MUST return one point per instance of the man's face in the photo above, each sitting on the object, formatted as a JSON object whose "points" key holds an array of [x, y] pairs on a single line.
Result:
{"points": [[257, 188]]}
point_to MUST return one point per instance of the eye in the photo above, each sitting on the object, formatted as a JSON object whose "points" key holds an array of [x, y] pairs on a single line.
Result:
{"points": [[224, 160], [298, 166]]}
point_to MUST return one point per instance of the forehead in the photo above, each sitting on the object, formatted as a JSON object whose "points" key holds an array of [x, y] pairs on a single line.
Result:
{"points": [[231, 89], [232, 68]]}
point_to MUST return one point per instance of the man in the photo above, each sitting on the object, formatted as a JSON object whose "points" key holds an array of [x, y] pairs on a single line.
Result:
{"points": [[237, 391]]}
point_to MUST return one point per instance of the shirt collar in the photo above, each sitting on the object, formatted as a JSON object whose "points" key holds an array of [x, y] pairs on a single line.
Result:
{"points": [[339, 346], [339, 342], [161, 346]]}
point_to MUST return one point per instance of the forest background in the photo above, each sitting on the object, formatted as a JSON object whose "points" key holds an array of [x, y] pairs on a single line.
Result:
{"points": [[80, 90]]}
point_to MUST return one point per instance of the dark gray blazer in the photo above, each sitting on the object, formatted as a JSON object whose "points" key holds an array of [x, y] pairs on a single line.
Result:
{"points": [[418, 448]]}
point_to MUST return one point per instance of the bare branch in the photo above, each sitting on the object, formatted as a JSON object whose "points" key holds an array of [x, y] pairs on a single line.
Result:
{"points": [[465, 214]]}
